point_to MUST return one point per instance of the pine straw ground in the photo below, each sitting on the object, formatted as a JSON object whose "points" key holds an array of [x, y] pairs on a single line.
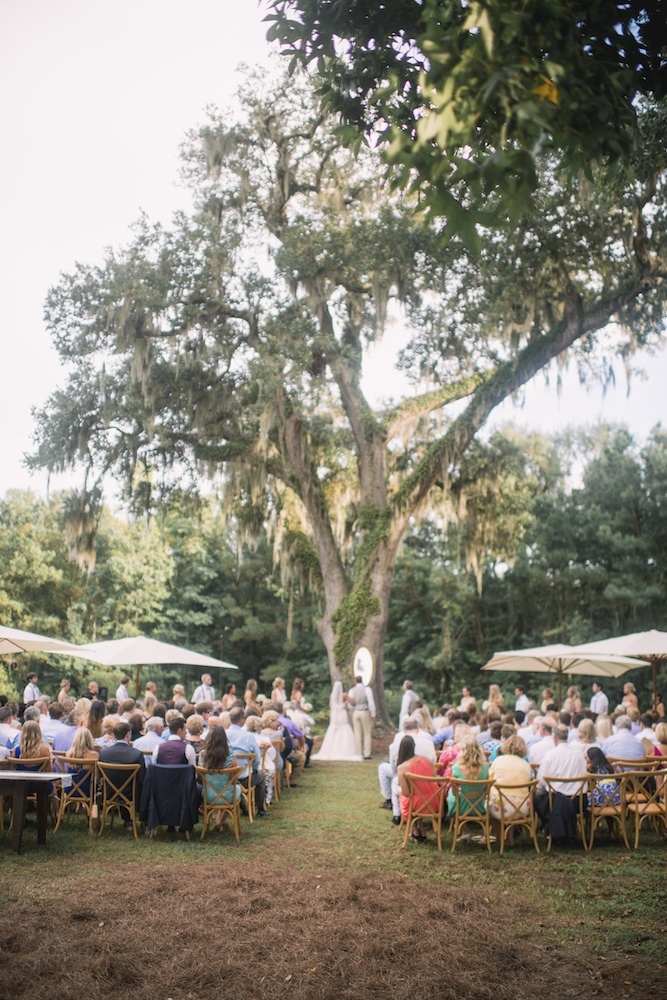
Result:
{"points": [[321, 902]]}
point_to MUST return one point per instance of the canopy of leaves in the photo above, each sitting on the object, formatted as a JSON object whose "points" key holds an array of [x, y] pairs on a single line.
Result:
{"points": [[466, 94]]}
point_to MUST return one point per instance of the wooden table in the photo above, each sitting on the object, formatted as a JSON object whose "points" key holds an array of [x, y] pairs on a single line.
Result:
{"points": [[18, 785]]}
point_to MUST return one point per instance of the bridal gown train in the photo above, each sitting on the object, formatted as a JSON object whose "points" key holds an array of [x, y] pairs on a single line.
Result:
{"points": [[338, 742]]}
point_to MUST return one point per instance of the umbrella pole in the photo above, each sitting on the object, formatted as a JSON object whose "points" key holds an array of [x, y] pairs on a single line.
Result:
{"points": [[136, 681], [560, 689], [655, 681]]}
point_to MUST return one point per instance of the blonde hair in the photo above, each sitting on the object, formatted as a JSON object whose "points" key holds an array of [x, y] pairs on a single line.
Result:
{"points": [[195, 725], [32, 741], [661, 732], [603, 727], [269, 718], [586, 731], [83, 741], [253, 724], [515, 746], [495, 696], [471, 760]]}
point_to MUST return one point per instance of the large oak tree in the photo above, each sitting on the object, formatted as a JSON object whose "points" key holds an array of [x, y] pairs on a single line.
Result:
{"points": [[234, 342]]}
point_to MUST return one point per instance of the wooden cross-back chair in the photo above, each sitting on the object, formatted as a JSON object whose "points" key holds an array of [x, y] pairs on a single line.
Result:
{"points": [[218, 803], [119, 792], [245, 784], [517, 810], [426, 803], [644, 795], [605, 802], [21, 764], [472, 801], [82, 791]]}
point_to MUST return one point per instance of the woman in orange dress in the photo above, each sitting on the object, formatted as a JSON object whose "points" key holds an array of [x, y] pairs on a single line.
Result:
{"points": [[408, 761]]}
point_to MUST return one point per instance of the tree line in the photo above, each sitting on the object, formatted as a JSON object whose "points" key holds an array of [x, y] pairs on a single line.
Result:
{"points": [[558, 539]]}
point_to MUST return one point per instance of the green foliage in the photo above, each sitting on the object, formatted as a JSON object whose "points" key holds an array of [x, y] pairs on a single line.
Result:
{"points": [[350, 619], [467, 95]]}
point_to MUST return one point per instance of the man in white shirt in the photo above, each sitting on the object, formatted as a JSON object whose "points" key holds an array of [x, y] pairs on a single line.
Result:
{"points": [[122, 693], [522, 699], [545, 744], [599, 702], [408, 700], [205, 691], [564, 760], [31, 691]]}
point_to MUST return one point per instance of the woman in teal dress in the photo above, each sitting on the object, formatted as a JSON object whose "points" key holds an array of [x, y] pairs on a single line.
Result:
{"points": [[471, 766], [217, 756]]}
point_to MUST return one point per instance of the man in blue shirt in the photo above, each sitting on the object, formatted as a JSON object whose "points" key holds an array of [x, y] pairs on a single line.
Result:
{"points": [[243, 741]]}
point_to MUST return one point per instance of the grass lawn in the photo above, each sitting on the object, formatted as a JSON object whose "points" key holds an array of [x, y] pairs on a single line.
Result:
{"points": [[321, 901]]}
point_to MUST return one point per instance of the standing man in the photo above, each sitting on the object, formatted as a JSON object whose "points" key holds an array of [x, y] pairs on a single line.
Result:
{"points": [[205, 691], [31, 691], [522, 700], [599, 702], [122, 693], [408, 700], [361, 718]]}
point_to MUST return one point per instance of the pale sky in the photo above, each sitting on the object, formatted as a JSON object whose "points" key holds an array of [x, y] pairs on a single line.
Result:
{"points": [[95, 98]]}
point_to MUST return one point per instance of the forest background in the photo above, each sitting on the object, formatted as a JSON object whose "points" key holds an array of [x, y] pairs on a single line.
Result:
{"points": [[582, 557]]}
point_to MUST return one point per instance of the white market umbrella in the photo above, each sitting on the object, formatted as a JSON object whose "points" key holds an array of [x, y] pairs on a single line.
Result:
{"points": [[650, 646], [14, 640], [139, 649], [561, 659]]}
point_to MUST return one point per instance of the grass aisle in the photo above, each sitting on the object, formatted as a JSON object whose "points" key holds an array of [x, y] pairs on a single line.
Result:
{"points": [[321, 901]]}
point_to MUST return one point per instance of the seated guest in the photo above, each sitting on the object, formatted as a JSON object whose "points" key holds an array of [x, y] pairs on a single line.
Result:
{"points": [[151, 740], [510, 767], [242, 741], [660, 749], [565, 761], [408, 761], [218, 756], [387, 770], [495, 737], [297, 753], [64, 738], [268, 751], [136, 723], [194, 731], [126, 708], [83, 745], [95, 716], [121, 752], [546, 741], [109, 722], [604, 792], [32, 744], [470, 765], [623, 744], [175, 749], [646, 735], [450, 753], [53, 724], [83, 748]]}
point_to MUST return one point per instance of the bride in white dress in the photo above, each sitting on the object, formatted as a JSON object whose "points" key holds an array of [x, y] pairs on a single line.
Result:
{"points": [[338, 742]]}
